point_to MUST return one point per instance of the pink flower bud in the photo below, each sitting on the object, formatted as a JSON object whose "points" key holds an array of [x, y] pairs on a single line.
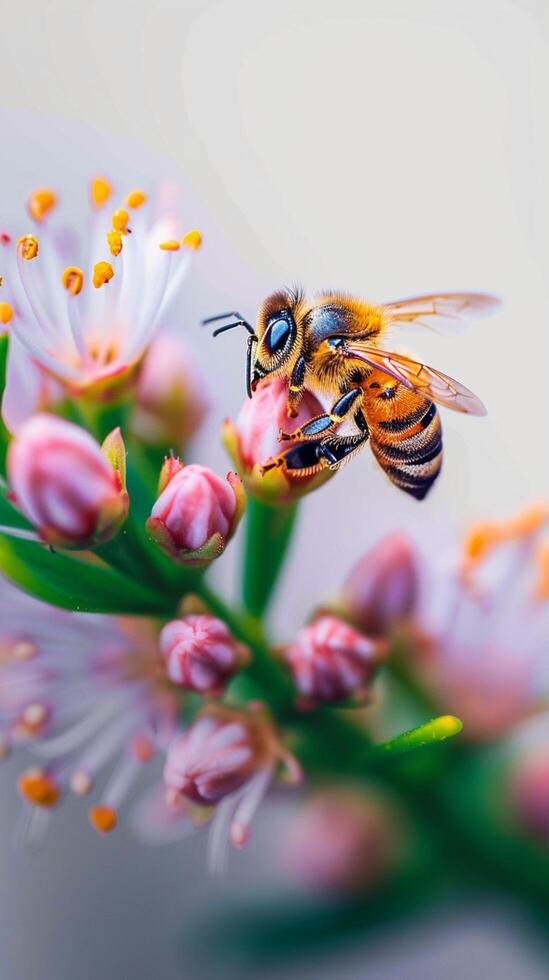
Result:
{"points": [[331, 661], [382, 589], [342, 841], [196, 513], [201, 653], [216, 756], [171, 404], [226, 753], [252, 441], [68, 488], [529, 794]]}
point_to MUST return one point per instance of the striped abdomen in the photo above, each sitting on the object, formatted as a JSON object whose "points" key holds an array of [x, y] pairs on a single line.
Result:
{"points": [[405, 433]]}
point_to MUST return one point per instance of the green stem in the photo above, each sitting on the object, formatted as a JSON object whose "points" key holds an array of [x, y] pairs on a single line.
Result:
{"points": [[268, 533]]}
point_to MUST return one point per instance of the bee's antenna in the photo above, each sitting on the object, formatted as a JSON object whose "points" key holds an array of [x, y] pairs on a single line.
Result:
{"points": [[253, 339], [239, 322]]}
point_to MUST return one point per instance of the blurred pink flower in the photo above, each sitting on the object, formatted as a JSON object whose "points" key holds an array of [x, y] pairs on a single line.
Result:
{"points": [[226, 759], [252, 441], [85, 694], [171, 403], [201, 654], [196, 513], [528, 792], [331, 661], [382, 590], [342, 840], [65, 485], [481, 628], [84, 313]]}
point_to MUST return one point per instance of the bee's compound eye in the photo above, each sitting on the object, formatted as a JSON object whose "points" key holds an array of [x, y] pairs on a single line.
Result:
{"points": [[277, 335]]}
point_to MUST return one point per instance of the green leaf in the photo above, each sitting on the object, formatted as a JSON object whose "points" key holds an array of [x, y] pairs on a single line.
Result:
{"points": [[70, 582], [4, 434], [11, 517]]}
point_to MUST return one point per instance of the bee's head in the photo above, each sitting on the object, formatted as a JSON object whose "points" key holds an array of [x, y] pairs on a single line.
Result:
{"points": [[279, 335], [275, 347]]}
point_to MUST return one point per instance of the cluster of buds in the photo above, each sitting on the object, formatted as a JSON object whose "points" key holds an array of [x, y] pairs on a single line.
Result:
{"points": [[72, 490], [253, 441], [196, 512], [201, 654]]}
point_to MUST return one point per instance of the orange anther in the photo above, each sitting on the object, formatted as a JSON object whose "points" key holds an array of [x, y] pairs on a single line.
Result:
{"points": [[170, 246], [135, 199], [72, 279], [40, 203], [103, 818], [28, 245], [39, 788], [6, 313], [114, 239], [120, 220], [480, 540], [102, 273], [193, 240], [100, 191]]}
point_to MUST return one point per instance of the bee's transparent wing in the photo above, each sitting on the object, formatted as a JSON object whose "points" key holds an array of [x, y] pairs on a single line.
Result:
{"points": [[446, 313], [427, 381]]}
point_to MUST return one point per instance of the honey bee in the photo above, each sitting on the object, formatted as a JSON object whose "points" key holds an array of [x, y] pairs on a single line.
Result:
{"points": [[334, 346]]}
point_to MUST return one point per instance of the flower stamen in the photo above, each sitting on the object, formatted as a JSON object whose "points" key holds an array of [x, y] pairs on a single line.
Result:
{"points": [[28, 247], [100, 192], [136, 199], [103, 272], [103, 819], [120, 220], [72, 279], [6, 313], [192, 240], [40, 788], [40, 203], [114, 240]]}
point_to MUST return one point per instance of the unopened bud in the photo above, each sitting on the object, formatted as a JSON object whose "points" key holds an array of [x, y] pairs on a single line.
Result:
{"points": [[196, 513], [64, 484], [201, 653], [331, 661], [382, 590]]}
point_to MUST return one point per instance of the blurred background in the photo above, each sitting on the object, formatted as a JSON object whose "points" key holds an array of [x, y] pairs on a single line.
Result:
{"points": [[386, 148]]}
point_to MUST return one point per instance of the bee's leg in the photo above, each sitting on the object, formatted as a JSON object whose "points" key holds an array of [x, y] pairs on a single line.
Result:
{"points": [[311, 456], [305, 459], [325, 425], [295, 388], [340, 449]]}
